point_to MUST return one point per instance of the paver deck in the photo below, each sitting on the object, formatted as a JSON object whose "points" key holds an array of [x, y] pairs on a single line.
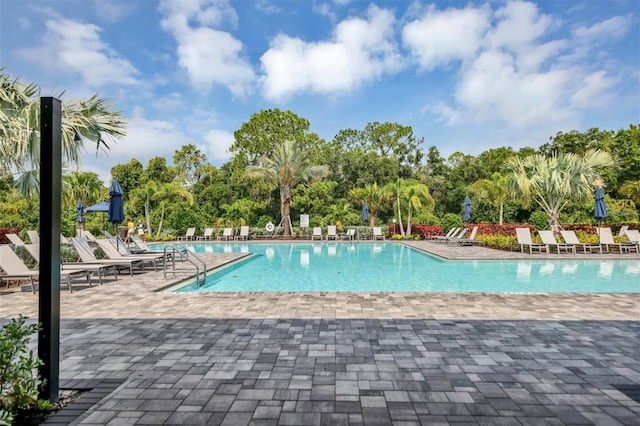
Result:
{"points": [[356, 358]]}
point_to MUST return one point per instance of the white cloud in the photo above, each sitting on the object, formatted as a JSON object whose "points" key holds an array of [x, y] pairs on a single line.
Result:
{"points": [[145, 139], [615, 27], [594, 91], [76, 47], [519, 24], [438, 38], [209, 56], [218, 143], [112, 10], [360, 51]]}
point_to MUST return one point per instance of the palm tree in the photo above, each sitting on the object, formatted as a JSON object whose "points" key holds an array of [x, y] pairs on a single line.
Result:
{"points": [[375, 197], [413, 194], [82, 120], [288, 166], [631, 190], [85, 186], [144, 195], [496, 191], [168, 192], [551, 182]]}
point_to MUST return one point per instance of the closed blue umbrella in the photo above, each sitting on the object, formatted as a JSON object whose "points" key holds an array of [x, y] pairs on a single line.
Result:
{"points": [[466, 217], [116, 205], [80, 208], [600, 211], [365, 212]]}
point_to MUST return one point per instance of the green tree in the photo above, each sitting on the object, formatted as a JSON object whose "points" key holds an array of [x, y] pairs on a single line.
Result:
{"points": [[376, 197], [189, 161], [551, 182], [495, 190], [143, 195], [289, 166], [410, 196], [631, 190], [170, 193], [128, 175], [82, 120], [85, 186], [158, 171]]}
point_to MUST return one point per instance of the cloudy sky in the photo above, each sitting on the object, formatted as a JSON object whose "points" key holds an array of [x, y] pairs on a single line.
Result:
{"points": [[466, 75]]}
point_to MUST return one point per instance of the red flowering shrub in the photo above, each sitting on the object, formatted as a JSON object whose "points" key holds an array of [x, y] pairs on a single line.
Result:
{"points": [[5, 231]]}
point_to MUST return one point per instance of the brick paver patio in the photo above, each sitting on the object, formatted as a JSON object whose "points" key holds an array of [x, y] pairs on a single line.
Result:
{"points": [[358, 358]]}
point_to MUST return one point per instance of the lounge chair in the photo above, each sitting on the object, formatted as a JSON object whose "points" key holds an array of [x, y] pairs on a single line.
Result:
{"points": [[606, 240], [112, 253], [634, 236], [448, 234], [549, 240], [15, 239], [34, 237], [87, 235], [34, 251], [188, 236], [377, 233], [454, 237], [623, 230], [349, 235], [470, 240], [570, 237], [244, 233], [524, 239], [227, 234], [15, 269], [88, 257], [208, 234], [317, 233], [63, 240], [332, 232]]}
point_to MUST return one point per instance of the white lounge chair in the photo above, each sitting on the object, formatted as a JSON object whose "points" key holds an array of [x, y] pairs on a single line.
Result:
{"points": [[349, 235], [570, 237], [244, 233], [34, 237], [524, 239], [112, 253], [470, 240], [227, 234], [332, 232], [623, 230], [549, 240], [454, 237], [377, 233], [447, 235], [87, 235], [87, 256], [208, 234], [15, 239], [188, 236], [606, 240], [634, 236], [34, 251], [317, 233], [15, 269]]}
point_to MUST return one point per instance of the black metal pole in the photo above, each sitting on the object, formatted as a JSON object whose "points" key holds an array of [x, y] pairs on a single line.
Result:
{"points": [[49, 293]]}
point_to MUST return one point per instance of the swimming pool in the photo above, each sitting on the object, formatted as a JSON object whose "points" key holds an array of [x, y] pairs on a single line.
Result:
{"points": [[393, 267]]}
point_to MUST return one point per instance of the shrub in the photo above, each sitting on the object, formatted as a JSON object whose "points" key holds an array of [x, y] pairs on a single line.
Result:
{"points": [[539, 219], [450, 220], [19, 379], [502, 242]]}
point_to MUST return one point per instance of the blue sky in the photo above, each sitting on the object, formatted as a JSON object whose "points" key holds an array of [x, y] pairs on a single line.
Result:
{"points": [[466, 75]]}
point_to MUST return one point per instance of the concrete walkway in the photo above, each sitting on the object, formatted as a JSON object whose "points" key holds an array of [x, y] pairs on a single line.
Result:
{"points": [[357, 358]]}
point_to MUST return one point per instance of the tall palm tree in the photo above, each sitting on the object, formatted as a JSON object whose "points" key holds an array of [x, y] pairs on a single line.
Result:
{"points": [[144, 195], [85, 186], [375, 197], [551, 182], [169, 192], [496, 191], [88, 120], [288, 166], [413, 194], [631, 190]]}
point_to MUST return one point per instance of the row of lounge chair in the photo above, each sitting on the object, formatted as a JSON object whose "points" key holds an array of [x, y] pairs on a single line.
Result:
{"points": [[118, 255], [573, 245], [228, 234], [457, 236]]}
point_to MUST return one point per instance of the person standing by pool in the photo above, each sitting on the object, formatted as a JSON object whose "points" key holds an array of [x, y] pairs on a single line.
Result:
{"points": [[141, 229], [130, 228]]}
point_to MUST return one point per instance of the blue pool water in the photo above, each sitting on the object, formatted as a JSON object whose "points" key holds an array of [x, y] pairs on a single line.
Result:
{"points": [[392, 267]]}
